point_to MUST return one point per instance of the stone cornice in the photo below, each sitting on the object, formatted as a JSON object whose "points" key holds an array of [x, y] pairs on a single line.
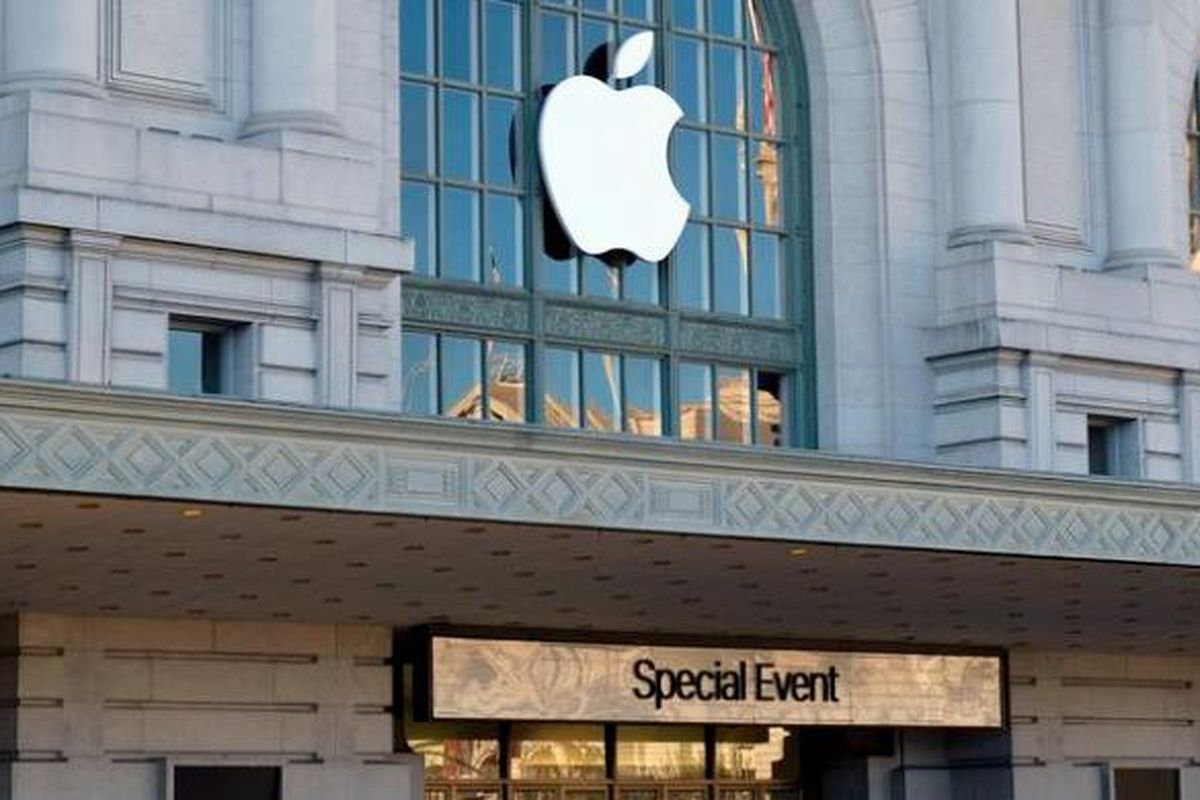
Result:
{"points": [[62, 437]]}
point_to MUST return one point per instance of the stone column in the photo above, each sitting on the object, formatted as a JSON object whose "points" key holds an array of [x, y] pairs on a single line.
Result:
{"points": [[293, 67], [89, 306], [1040, 439], [337, 334], [985, 114], [1140, 137], [52, 45]]}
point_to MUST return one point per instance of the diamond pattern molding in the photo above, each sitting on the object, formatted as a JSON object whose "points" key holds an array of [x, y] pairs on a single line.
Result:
{"points": [[80, 440]]}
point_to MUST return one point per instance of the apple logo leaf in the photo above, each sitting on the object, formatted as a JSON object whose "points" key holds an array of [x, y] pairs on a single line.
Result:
{"points": [[633, 55]]}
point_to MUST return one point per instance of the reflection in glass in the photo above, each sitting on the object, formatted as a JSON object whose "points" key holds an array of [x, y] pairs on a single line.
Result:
{"points": [[601, 391], [763, 95], [560, 374], [756, 754], [502, 141], [725, 18], [729, 177], [689, 13], [660, 752], [643, 395], [461, 369], [416, 36], [557, 48], [448, 758], [460, 234], [503, 46], [691, 267], [416, 128], [639, 282], [506, 381], [418, 218], [600, 279], [767, 284], [769, 422], [690, 168], [695, 401], [764, 180], [730, 270], [419, 367], [557, 752], [733, 405], [460, 135], [558, 275], [689, 85], [505, 249], [605, 6], [728, 87]]}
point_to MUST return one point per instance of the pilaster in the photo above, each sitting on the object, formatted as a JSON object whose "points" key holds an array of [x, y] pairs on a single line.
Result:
{"points": [[1189, 424], [337, 333], [89, 305], [1040, 435]]}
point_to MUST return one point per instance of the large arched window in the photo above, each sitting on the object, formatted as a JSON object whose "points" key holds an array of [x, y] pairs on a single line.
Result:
{"points": [[504, 321]]}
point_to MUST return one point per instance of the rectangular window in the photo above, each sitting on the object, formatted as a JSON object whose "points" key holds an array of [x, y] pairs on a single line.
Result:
{"points": [[227, 783], [205, 357], [450, 376], [560, 374], [642, 378], [601, 391], [1145, 784], [1113, 447], [716, 402]]}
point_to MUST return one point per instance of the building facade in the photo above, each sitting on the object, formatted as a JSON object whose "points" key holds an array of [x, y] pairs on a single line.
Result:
{"points": [[331, 467]]}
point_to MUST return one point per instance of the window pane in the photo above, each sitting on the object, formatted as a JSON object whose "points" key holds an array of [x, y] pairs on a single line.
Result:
{"points": [[729, 177], [606, 6], [228, 783], [506, 381], [185, 357], [601, 391], [767, 282], [689, 13], [506, 247], [695, 401], [764, 101], [557, 752], [416, 127], [770, 421], [560, 374], [690, 157], [660, 752], [418, 217], [557, 48], [503, 141], [416, 36], [461, 370], [639, 282], [764, 184], [728, 87], [691, 267], [460, 135], [638, 9], [725, 17], [756, 754], [689, 88], [419, 362], [460, 60], [503, 45], [460, 234], [733, 405], [600, 279], [643, 395], [729, 270], [1145, 784]]}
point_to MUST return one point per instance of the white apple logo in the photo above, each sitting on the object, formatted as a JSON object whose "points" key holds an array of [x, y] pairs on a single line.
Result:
{"points": [[604, 160]]}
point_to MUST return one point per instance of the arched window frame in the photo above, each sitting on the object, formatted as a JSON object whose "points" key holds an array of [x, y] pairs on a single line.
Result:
{"points": [[523, 312]]}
